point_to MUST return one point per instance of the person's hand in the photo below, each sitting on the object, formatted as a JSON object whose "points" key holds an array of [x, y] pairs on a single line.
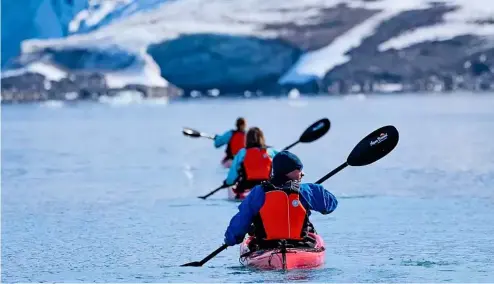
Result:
{"points": [[231, 242]]}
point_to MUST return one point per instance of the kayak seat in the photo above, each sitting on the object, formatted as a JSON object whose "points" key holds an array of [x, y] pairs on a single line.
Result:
{"points": [[255, 244]]}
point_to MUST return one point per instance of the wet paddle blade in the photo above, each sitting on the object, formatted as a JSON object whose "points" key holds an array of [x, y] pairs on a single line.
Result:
{"points": [[315, 131], [374, 146], [195, 134], [191, 132]]}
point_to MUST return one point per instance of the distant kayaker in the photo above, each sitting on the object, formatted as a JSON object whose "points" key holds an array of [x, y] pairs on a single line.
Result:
{"points": [[234, 139], [252, 164], [279, 209]]}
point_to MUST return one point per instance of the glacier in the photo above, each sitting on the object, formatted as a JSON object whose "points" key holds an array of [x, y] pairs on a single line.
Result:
{"points": [[38, 19], [251, 44]]}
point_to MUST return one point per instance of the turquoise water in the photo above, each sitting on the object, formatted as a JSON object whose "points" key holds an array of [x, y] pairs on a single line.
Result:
{"points": [[107, 193]]}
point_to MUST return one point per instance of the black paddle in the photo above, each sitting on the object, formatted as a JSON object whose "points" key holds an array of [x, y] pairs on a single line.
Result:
{"points": [[195, 134], [214, 191], [312, 133], [207, 258], [372, 148]]}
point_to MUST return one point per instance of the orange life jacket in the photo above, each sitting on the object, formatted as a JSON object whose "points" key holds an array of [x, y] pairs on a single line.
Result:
{"points": [[237, 142], [282, 217], [257, 164]]}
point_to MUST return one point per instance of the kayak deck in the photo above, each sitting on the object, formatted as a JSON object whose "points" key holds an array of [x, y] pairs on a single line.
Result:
{"points": [[295, 258]]}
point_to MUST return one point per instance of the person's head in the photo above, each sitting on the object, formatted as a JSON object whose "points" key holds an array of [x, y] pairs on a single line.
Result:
{"points": [[255, 138], [286, 166], [240, 124]]}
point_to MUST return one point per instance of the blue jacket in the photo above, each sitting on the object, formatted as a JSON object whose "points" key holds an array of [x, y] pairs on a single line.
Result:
{"points": [[223, 139], [236, 166], [312, 196]]}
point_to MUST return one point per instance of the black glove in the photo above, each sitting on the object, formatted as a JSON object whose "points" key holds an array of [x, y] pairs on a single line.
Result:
{"points": [[292, 185], [240, 239]]}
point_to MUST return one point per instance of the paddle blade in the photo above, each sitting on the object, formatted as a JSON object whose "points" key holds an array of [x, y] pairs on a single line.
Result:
{"points": [[315, 131], [191, 132], [194, 264], [374, 146], [194, 133]]}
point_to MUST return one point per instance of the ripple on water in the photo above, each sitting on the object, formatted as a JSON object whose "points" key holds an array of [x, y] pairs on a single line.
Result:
{"points": [[427, 263]]}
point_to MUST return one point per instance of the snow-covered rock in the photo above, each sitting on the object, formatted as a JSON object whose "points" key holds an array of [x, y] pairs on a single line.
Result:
{"points": [[233, 45]]}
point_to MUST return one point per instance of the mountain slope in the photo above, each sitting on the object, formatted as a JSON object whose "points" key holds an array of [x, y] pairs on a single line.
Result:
{"points": [[264, 45]]}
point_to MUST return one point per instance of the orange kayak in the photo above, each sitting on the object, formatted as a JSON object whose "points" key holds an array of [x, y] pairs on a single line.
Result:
{"points": [[293, 258]]}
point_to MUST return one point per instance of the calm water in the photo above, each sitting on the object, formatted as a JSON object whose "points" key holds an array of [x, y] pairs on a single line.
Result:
{"points": [[101, 192]]}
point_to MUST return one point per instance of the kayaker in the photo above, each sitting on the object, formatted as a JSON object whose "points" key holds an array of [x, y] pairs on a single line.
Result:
{"points": [[252, 164], [234, 139], [279, 209]]}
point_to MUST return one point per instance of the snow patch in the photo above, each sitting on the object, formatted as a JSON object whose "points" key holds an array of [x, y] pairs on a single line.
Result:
{"points": [[49, 71], [95, 13], [456, 23], [148, 74], [317, 63], [436, 33]]}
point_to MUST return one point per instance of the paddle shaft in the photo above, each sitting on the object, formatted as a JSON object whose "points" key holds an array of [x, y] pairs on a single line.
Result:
{"points": [[204, 135], [214, 253], [213, 192], [332, 173], [291, 145], [207, 258], [196, 134]]}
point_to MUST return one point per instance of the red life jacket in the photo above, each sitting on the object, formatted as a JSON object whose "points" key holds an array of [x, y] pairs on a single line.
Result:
{"points": [[237, 142], [282, 217], [257, 164]]}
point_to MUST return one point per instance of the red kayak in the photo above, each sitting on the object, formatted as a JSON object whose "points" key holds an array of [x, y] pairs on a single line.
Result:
{"points": [[293, 258]]}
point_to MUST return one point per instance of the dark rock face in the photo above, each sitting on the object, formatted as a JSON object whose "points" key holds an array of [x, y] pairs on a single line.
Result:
{"points": [[442, 60], [227, 63], [77, 86], [85, 80], [419, 67], [403, 22], [324, 28], [419, 59]]}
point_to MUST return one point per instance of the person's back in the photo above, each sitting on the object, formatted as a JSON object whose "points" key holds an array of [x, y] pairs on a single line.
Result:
{"points": [[279, 209], [234, 139], [251, 165]]}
